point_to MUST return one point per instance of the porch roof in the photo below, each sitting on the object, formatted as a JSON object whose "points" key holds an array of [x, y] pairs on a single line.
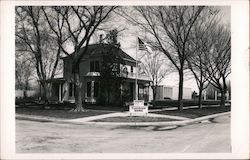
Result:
{"points": [[140, 77]]}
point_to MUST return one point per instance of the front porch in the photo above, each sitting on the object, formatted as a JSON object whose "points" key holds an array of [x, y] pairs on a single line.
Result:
{"points": [[56, 90], [62, 90], [142, 92]]}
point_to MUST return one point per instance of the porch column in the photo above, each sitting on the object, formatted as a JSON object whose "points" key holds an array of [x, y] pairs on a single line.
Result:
{"points": [[215, 95], [67, 91], [205, 95], [92, 89], [227, 95], [60, 92]]}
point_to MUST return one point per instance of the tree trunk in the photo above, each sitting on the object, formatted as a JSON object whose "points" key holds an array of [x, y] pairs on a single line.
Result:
{"points": [[200, 96], [25, 89], [44, 94], [223, 92], [223, 97], [78, 93], [154, 93], [108, 97], [44, 91], [24, 93], [180, 95]]}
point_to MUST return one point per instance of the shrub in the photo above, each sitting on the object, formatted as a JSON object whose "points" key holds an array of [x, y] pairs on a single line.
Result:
{"points": [[174, 103]]}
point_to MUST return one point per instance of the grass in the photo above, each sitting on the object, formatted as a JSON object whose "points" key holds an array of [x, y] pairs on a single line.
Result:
{"points": [[134, 119], [62, 111], [107, 108], [58, 113], [195, 112], [68, 106]]}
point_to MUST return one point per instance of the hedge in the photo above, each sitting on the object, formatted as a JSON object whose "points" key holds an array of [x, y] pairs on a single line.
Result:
{"points": [[174, 103]]}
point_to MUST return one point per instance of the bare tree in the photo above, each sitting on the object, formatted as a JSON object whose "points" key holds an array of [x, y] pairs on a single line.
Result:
{"points": [[44, 28], [153, 63], [199, 45], [218, 64], [34, 40], [81, 23], [23, 74], [54, 16], [170, 29]]}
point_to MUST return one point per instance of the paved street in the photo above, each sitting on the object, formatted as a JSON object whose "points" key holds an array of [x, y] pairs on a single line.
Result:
{"points": [[44, 137]]}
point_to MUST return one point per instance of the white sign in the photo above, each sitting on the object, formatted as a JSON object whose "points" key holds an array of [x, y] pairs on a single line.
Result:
{"points": [[138, 109], [138, 102]]}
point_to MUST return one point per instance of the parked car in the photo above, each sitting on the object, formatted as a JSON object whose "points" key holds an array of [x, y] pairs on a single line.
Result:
{"points": [[167, 98]]}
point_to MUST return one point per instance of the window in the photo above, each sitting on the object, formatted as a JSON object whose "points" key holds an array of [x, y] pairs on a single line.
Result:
{"points": [[96, 89], [97, 67], [88, 89], [71, 89], [168, 92], [132, 69], [94, 66]]}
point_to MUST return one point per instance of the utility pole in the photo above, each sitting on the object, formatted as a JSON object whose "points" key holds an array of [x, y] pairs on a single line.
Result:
{"points": [[136, 81]]}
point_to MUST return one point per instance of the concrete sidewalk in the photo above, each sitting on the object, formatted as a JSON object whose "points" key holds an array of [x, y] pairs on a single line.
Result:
{"points": [[87, 119]]}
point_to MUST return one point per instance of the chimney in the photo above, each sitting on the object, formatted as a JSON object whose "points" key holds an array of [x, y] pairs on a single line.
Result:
{"points": [[101, 39]]}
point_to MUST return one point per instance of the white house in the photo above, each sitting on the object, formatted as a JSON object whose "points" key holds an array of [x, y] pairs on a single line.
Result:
{"points": [[171, 92]]}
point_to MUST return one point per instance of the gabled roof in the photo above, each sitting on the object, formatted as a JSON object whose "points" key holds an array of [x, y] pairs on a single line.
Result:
{"points": [[98, 49]]}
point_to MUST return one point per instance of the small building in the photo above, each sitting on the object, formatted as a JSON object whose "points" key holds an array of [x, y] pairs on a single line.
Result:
{"points": [[63, 89], [212, 93], [171, 92]]}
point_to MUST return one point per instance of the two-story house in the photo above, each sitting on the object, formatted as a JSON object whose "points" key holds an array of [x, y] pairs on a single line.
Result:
{"points": [[90, 66]]}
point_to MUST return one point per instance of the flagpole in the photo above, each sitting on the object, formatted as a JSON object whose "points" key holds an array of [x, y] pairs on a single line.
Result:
{"points": [[136, 64]]}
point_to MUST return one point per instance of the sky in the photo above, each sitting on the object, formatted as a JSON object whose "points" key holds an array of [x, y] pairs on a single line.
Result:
{"points": [[128, 40]]}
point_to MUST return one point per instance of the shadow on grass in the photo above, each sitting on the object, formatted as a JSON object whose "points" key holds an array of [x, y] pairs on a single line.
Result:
{"points": [[195, 112], [57, 113]]}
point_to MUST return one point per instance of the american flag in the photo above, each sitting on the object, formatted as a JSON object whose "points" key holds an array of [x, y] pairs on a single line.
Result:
{"points": [[141, 45]]}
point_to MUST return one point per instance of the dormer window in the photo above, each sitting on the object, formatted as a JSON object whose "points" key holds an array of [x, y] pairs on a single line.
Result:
{"points": [[94, 66]]}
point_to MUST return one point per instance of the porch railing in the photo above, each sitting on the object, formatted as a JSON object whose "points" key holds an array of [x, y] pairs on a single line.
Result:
{"points": [[133, 76]]}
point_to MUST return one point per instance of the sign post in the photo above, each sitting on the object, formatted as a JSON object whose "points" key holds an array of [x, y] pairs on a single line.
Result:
{"points": [[138, 108]]}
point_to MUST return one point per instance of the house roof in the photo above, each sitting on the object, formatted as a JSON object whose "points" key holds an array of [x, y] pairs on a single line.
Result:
{"points": [[98, 49]]}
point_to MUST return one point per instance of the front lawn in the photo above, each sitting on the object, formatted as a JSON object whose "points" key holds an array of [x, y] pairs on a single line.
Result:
{"points": [[134, 119], [195, 112], [58, 113]]}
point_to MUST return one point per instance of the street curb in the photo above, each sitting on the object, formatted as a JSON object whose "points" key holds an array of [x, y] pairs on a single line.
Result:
{"points": [[186, 107], [169, 123]]}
